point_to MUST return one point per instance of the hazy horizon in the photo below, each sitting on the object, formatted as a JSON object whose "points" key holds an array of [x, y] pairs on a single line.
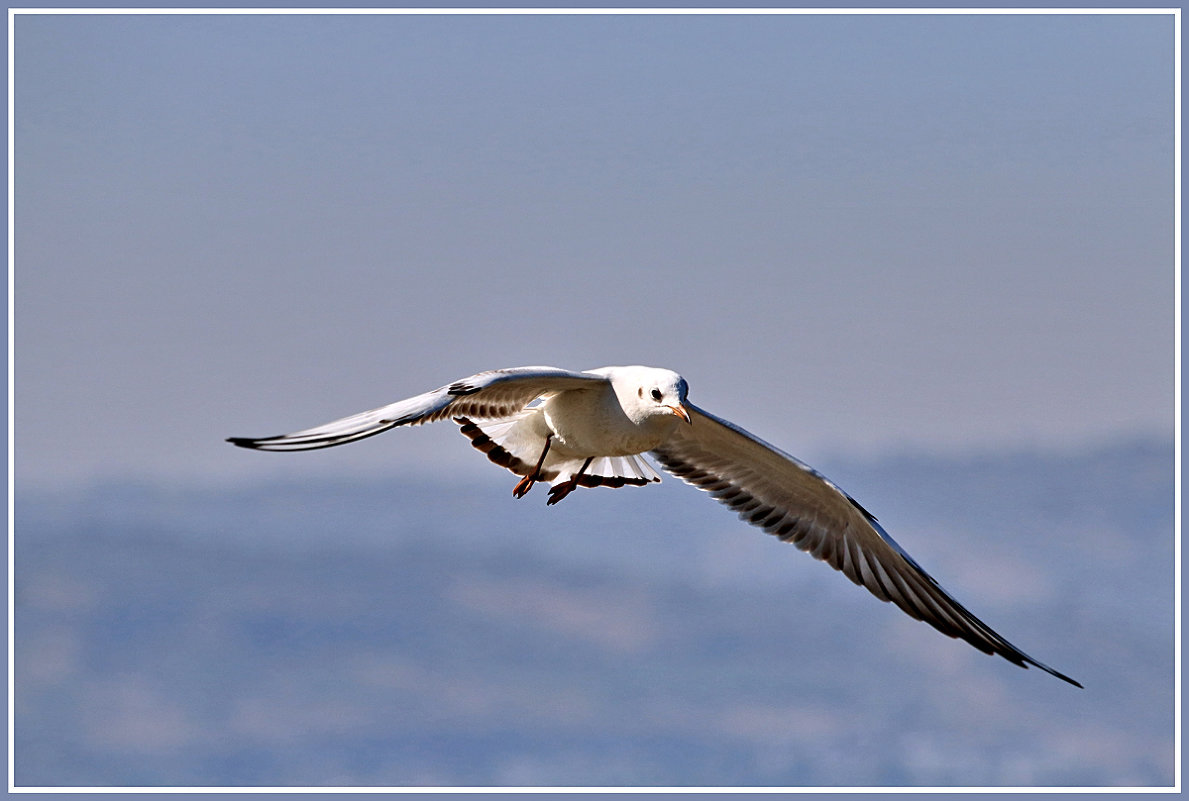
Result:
{"points": [[391, 632]]}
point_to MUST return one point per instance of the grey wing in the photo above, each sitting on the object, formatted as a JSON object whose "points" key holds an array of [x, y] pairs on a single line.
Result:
{"points": [[489, 395], [789, 499]]}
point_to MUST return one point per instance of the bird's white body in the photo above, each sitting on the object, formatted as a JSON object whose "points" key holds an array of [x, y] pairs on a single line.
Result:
{"points": [[612, 419], [591, 429]]}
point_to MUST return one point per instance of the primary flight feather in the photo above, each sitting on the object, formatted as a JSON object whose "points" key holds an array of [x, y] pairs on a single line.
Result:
{"points": [[591, 429]]}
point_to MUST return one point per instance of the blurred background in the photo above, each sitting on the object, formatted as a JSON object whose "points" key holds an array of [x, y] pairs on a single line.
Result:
{"points": [[931, 254]]}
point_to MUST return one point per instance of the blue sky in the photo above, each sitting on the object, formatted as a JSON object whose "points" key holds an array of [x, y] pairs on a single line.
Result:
{"points": [[850, 233]]}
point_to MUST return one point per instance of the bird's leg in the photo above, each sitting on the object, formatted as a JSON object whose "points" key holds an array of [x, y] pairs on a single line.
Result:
{"points": [[566, 487], [525, 484]]}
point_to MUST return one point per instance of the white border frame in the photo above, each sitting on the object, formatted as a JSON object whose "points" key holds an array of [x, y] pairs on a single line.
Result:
{"points": [[1174, 12]]}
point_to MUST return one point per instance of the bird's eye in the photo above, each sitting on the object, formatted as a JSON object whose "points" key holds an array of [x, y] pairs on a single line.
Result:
{"points": [[656, 394]]}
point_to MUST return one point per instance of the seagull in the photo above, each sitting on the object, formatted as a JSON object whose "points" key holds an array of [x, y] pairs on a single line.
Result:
{"points": [[591, 429]]}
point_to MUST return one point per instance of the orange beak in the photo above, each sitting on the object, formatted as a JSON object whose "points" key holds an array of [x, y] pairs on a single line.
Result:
{"points": [[680, 411]]}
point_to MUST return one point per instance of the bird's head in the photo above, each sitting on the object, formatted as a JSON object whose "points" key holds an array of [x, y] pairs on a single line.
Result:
{"points": [[653, 392]]}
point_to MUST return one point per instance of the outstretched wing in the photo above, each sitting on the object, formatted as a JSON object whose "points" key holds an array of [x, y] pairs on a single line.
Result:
{"points": [[489, 395], [789, 499]]}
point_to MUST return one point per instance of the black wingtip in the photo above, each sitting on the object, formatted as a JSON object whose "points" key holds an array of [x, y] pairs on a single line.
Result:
{"points": [[1029, 661], [1063, 677], [242, 442]]}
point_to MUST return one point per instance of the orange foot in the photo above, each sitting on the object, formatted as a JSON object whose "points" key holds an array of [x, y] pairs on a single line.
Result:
{"points": [[523, 486], [561, 490]]}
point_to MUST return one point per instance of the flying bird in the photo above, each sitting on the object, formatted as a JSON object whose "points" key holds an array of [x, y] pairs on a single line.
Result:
{"points": [[592, 428]]}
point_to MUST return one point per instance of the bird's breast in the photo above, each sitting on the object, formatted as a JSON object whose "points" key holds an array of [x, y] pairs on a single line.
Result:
{"points": [[592, 423]]}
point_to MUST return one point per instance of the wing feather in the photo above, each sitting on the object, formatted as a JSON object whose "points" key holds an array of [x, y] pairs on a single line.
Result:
{"points": [[788, 498], [490, 395]]}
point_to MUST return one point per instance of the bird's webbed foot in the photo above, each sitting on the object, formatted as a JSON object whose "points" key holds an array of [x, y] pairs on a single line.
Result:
{"points": [[523, 486], [559, 491]]}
